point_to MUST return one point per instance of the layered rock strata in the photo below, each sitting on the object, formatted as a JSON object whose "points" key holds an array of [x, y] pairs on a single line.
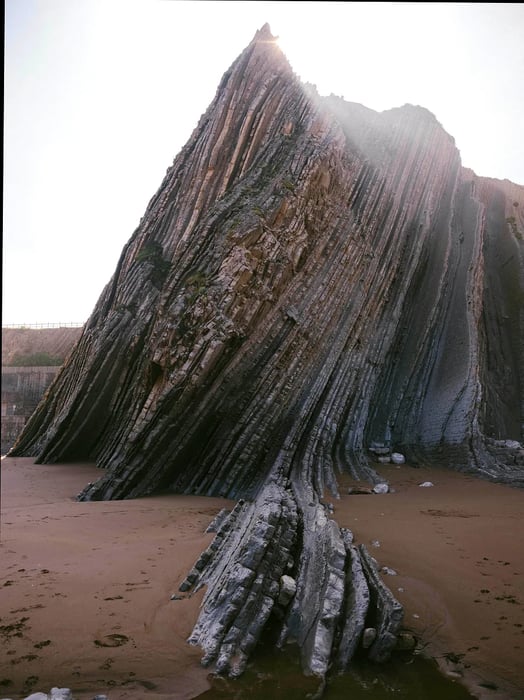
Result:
{"points": [[311, 278]]}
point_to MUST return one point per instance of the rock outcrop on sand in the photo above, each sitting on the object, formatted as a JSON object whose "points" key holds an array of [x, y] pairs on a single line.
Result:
{"points": [[312, 278]]}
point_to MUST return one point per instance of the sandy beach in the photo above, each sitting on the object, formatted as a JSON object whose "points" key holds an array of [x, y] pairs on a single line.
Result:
{"points": [[458, 550], [85, 588]]}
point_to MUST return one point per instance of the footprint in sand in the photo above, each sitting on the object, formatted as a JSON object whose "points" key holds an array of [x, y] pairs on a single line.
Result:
{"points": [[30, 607], [112, 640], [15, 629], [41, 645], [148, 685], [25, 658], [31, 681]]}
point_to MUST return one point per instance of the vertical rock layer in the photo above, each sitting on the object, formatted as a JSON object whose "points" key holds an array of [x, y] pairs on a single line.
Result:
{"points": [[311, 276]]}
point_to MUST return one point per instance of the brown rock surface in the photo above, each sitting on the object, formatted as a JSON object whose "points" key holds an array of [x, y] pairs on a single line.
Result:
{"points": [[311, 276]]}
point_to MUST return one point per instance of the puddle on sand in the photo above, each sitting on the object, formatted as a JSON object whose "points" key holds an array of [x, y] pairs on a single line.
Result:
{"points": [[277, 675]]}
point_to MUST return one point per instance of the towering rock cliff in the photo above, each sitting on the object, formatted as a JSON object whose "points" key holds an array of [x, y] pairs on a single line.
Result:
{"points": [[311, 277]]}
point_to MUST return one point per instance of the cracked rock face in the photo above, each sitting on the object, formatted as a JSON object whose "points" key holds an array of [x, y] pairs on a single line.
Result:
{"points": [[311, 279]]}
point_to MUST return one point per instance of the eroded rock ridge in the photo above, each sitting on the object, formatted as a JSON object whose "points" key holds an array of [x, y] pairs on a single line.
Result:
{"points": [[311, 277]]}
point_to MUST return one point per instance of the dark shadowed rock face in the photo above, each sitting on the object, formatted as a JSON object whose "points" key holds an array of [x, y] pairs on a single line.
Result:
{"points": [[311, 277]]}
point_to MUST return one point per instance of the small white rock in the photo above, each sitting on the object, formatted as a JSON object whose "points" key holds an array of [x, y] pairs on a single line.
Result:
{"points": [[398, 458], [61, 694], [381, 488], [388, 571], [375, 543], [426, 484]]}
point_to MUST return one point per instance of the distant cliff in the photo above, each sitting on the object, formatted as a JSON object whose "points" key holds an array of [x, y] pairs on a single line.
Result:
{"points": [[22, 391], [22, 346], [311, 277], [31, 359]]}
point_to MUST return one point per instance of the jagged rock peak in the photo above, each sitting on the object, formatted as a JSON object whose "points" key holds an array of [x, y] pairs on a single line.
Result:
{"points": [[264, 43], [264, 34]]}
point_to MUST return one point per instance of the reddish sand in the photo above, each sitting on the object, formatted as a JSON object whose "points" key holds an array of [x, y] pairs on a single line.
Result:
{"points": [[458, 550], [73, 574]]}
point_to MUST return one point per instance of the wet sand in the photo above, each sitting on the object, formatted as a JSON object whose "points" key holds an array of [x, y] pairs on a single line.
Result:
{"points": [[458, 550], [85, 588]]}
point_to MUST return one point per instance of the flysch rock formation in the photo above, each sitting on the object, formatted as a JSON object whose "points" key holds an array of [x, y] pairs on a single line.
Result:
{"points": [[311, 278]]}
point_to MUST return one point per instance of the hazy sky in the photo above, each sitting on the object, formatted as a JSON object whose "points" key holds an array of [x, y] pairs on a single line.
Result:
{"points": [[100, 95]]}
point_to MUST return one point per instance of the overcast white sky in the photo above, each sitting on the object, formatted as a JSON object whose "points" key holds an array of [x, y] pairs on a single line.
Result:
{"points": [[100, 95]]}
